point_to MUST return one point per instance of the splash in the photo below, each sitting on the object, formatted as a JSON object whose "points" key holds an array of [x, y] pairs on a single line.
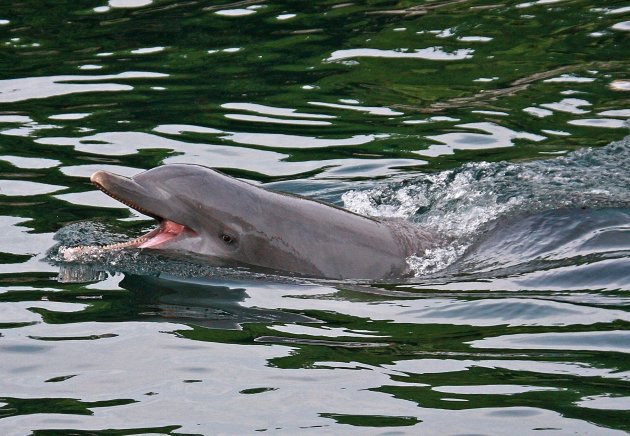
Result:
{"points": [[92, 243], [462, 203]]}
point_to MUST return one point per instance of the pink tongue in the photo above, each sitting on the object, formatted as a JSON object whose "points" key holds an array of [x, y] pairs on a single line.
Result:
{"points": [[167, 231]]}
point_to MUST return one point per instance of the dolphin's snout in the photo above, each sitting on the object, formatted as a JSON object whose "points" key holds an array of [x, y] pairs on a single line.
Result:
{"points": [[111, 181], [127, 191], [99, 177], [115, 186]]}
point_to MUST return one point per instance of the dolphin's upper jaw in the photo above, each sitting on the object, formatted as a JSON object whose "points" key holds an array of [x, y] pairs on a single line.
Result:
{"points": [[99, 179], [166, 231]]}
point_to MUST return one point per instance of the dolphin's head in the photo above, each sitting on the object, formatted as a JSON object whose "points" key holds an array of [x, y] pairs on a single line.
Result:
{"points": [[198, 210]]}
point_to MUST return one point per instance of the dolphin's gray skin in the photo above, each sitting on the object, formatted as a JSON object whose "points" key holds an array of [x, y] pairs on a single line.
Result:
{"points": [[205, 212]]}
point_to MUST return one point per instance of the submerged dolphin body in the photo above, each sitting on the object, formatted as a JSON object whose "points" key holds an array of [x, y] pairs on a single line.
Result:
{"points": [[202, 211]]}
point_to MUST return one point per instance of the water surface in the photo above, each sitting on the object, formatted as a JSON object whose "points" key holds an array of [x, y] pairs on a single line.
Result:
{"points": [[499, 124]]}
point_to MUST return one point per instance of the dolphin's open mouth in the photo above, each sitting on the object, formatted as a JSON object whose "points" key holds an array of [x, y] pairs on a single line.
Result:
{"points": [[167, 230]]}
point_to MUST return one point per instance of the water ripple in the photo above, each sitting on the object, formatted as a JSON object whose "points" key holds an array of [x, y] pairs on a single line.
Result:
{"points": [[28, 88], [488, 122], [430, 53]]}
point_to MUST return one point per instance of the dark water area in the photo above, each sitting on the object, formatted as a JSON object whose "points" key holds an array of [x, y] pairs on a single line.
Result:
{"points": [[501, 126]]}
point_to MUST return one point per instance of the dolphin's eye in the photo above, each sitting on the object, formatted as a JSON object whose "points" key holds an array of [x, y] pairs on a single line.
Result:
{"points": [[227, 238]]}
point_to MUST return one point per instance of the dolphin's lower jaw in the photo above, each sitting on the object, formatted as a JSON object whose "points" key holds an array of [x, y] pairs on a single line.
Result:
{"points": [[167, 231]]}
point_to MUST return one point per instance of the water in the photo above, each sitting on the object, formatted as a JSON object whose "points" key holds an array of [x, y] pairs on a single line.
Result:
{"points": [[500, 125]]}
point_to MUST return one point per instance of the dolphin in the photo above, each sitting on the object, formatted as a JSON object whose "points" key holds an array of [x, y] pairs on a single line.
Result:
{"points": [[204, 212]]}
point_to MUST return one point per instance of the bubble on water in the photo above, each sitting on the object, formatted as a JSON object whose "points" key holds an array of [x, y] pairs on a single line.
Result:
{"points": [[435, 259], [385, 202], [74, 254]]}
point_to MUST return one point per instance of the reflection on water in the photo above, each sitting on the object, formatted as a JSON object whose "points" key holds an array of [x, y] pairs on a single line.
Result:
{"points": [[463, 116], [173, 347], [15, 90]]}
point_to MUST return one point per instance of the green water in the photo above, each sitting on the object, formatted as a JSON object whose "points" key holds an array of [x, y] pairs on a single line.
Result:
{"points": [[499, 124]]}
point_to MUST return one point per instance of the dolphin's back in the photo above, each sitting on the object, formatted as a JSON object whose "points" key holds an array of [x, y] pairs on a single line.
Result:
{"points": [[329, 241]]}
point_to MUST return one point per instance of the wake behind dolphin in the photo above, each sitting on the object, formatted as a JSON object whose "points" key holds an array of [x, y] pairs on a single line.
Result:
{"points": [[204, 212], [472, 203]]}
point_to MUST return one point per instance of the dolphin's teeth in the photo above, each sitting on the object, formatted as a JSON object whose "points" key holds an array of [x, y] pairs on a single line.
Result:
{"points": [[115, 246]]}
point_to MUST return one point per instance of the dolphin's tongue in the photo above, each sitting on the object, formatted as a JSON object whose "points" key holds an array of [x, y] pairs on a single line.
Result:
{"points": [[167, 231]]}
